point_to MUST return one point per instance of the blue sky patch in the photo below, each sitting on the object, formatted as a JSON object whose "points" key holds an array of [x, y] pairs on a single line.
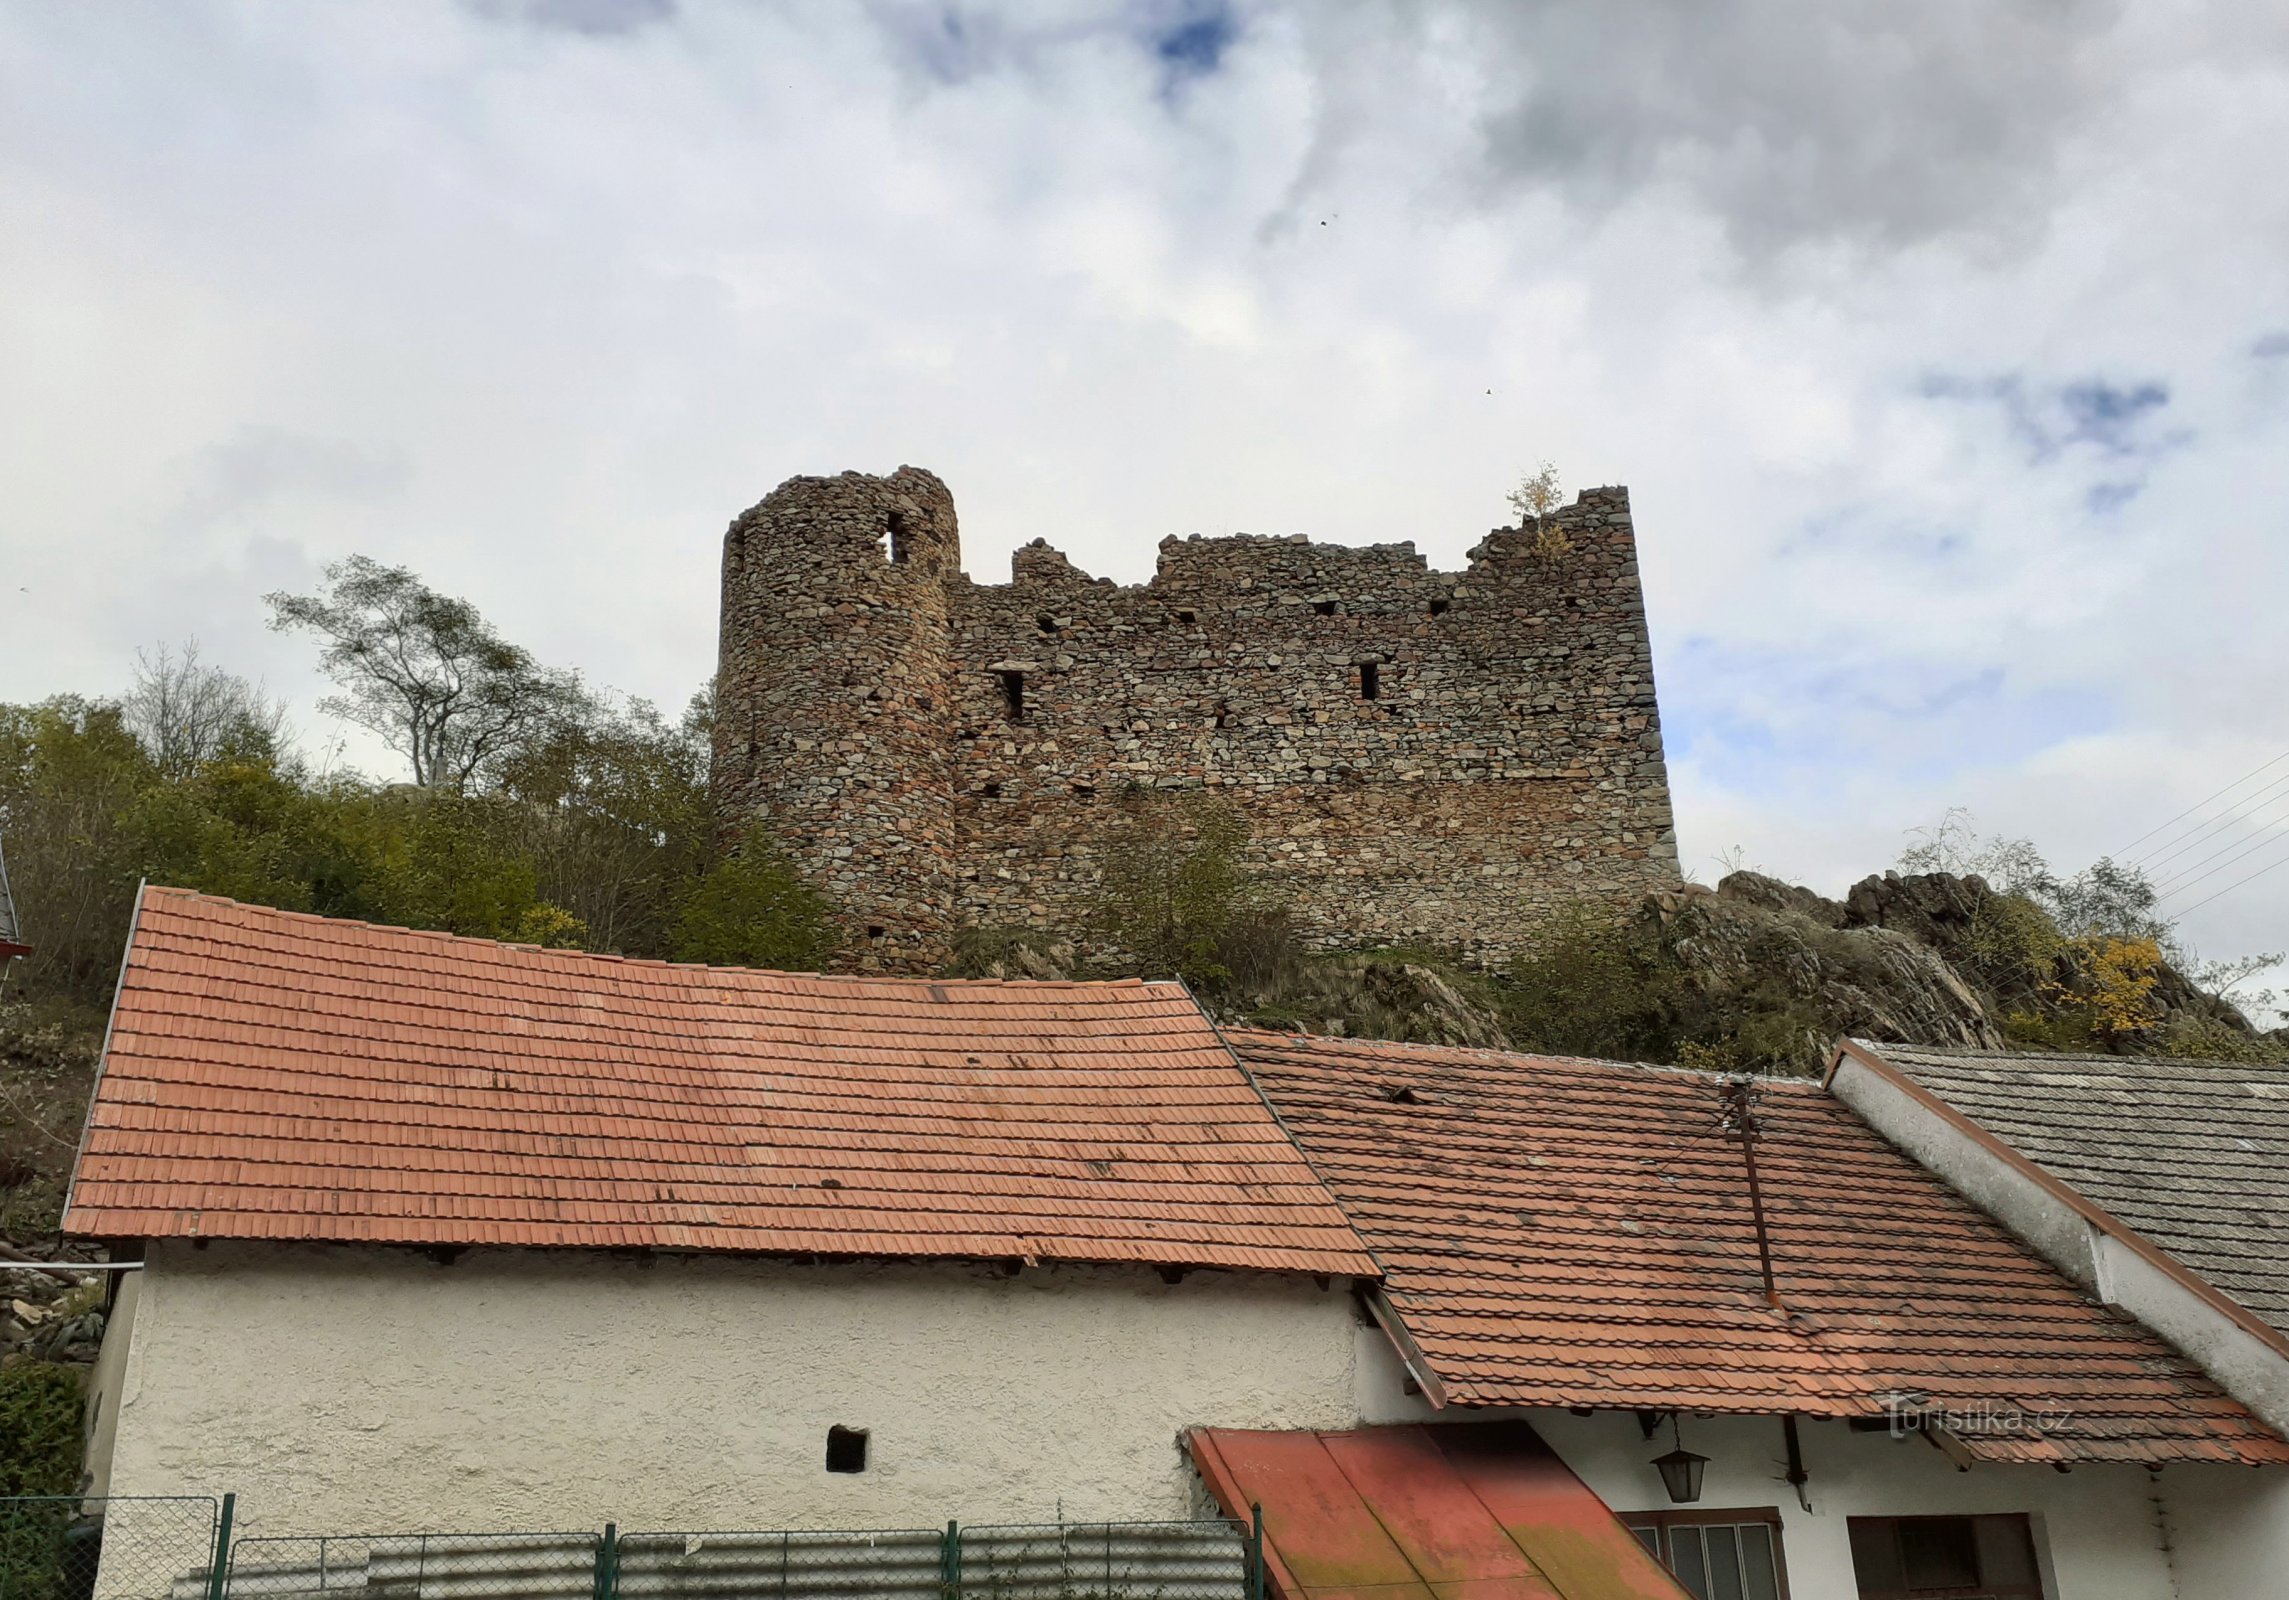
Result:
{"points": [[1191, 43]]}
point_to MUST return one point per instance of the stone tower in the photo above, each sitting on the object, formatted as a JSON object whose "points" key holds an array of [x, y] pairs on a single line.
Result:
{"points": [[831, 694], [1420, 756]]}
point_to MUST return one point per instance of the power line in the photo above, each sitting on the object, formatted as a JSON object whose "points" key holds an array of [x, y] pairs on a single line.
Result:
{"points": [[2237, 883], [2198, 804], [2180, 873], [2188, 883], [2193, 836]]}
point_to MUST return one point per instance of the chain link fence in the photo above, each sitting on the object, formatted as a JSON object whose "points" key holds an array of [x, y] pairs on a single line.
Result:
{"points": [[70, 1547], [1069, 1561]]}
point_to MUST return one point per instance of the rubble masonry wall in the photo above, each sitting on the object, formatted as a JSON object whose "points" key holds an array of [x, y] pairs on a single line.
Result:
{"points": [[1420, 755]]}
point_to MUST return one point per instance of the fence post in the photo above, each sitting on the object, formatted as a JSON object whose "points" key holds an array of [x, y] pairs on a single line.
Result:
{"points": [[950, 1562], [1256, 1585], [218, 1567], [607, 1563]]}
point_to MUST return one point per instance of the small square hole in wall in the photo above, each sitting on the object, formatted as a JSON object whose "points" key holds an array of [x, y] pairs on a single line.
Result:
{"points": [[992, 791], [846, 1449], [1188, 618], [1325, 608], [1046, 623], [1439, 607]]}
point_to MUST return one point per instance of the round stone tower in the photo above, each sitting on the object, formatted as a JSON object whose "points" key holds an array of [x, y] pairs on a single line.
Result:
{"points": [[833, 703]]}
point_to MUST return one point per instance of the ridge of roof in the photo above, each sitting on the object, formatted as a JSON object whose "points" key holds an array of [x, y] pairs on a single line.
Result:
{"points": [[613, 956], [1564, 1231], [2140, 1067], [277, 1075]]}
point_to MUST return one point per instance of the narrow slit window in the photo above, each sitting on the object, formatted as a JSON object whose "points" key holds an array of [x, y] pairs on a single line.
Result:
{"points": [[1370, 681], [900, 537], [1013, 696], [846, 1449]]}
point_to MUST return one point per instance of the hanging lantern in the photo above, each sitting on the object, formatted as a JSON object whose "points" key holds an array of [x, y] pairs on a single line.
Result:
{"points": [[1680, 1469]]}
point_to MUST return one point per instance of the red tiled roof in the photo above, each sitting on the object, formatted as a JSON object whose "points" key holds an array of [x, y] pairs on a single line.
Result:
{"points": [[1578, 1233], [278, 1076]]}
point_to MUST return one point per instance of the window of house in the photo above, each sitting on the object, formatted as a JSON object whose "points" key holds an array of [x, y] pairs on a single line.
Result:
{"points": [[1960, 1558], [1717, 1555], [846, 1449]]}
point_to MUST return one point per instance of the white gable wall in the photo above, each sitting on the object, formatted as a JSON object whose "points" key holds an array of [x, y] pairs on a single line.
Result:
{"points": [[342, 1389]]}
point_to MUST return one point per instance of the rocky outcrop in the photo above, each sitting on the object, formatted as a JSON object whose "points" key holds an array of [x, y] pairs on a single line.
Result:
{"points": [[1756, 940]]}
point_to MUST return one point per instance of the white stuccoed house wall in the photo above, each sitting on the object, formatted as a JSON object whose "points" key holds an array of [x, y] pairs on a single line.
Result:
{"points": [[341, 1389]]}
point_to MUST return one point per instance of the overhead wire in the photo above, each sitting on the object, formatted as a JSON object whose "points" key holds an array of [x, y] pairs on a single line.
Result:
{"points": [[2180, 874], [2194, 836], [2205, 800], [2270, 866], [2250, 850]]}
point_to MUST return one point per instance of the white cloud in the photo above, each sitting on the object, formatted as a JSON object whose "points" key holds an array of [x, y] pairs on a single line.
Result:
{"points": [[1863, 312]]}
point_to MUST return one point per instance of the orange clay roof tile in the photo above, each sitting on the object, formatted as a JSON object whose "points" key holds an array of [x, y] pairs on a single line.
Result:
{"points": [[280, 1076], [1578, 1233]]}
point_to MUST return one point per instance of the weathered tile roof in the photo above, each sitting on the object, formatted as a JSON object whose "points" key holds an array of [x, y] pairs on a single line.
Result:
{"points": [[2194, 1155], [1578, 1233], [278, 1076], [1425, 1511]]}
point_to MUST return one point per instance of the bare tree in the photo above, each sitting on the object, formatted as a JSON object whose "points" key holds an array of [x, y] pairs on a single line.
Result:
{"points": [[185, 713], [427, 672]]}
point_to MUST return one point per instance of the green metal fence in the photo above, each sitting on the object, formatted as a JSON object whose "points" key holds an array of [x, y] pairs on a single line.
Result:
{"points": [[180, 1548], [1207, 1560], [72, 1547]]}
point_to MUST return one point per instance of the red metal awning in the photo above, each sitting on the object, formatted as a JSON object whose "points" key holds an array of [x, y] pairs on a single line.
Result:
{"points": [[1434, 1511]]}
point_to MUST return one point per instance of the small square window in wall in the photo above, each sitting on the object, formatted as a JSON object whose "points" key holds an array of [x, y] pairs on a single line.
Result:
{"points": [[1907, 1558], [846, 1449], [1732, 1554]]}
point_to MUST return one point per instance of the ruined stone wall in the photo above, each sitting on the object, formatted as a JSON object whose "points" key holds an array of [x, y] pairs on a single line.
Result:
{"points": [[831, 691], [1421, 756]]}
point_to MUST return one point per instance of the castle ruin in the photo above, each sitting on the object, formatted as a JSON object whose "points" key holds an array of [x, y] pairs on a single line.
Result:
{"points": [[1428, 757]]}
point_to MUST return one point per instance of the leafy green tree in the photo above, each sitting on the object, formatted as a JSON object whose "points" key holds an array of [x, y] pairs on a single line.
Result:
{"points": [[1588, 985], [69, 772], [1174, 885], [753, 910], [427, 672], [615, 815]]}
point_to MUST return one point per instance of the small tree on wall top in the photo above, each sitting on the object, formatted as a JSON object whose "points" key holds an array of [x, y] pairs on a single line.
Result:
{"points": [[1536, 500]]}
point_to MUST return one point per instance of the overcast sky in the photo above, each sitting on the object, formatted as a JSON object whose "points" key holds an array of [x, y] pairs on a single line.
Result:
{"points": [[1944, 347]]}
